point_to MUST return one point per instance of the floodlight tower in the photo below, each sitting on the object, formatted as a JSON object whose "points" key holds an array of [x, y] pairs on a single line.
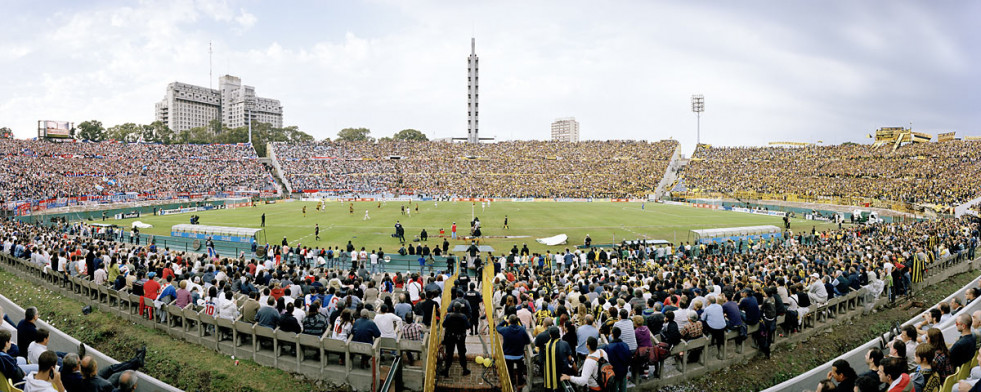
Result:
{"points": [[698, 106]]}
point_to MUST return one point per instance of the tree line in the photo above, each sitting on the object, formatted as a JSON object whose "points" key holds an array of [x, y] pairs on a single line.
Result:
{"points": [[262, 133], [363, 135], [158, 132]]}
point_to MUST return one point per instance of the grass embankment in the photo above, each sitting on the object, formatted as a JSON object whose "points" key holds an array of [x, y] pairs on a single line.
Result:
{"points": [[790, 360], [186, 366]]}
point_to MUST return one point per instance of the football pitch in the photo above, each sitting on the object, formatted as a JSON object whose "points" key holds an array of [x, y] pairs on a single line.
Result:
{"points": [[605, 223]]}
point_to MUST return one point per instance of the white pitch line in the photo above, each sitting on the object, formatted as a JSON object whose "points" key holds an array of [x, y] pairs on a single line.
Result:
{"points": [[656, 212]]}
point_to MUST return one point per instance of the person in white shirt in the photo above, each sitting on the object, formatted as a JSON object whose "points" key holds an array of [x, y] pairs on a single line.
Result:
{"points": [[589, 376], [62, 263], [45, 379], [100, 275], [298, 312], [194, 284], [374, 262], [38, 346], [220, 276], [295, 290], [227, 308], [414, 288], [388, 323]]}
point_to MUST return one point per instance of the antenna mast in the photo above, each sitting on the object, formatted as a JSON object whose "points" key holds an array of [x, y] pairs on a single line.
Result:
{"points": [[210, 79]]}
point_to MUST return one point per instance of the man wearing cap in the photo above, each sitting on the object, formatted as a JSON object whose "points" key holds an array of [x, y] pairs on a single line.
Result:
{"points": [[151, 289], [816, 291], [474, 298], [456, 325], [472, 252]]}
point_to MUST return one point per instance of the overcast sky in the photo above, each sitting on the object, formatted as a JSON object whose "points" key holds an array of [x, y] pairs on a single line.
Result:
{"points": [[770, 71]]}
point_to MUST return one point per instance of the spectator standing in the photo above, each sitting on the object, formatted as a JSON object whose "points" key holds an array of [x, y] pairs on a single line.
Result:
{"points": [[455, 326], [514, 338], [589, 375], [620, 356], [558, 359]]}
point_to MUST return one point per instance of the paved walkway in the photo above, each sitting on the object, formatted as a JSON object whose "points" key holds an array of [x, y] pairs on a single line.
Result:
{"points": [[480, 377]]}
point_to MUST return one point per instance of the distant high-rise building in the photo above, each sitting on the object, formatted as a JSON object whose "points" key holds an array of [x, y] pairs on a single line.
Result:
{"points": [[233, 104], [472, 94], [565, 130]]}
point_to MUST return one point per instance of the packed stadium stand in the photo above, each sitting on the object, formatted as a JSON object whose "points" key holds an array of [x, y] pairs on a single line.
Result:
{"points": [[661, 313], [943, 174], [615, 169], [37, 170], [679, 297]]}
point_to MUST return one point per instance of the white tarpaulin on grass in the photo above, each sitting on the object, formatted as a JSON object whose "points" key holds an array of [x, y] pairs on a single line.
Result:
{"points": [[141, 225], [552, 241]]}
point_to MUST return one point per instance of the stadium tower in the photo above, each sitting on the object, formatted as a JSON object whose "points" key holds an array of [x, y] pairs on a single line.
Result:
{"points": [[472, 94]]}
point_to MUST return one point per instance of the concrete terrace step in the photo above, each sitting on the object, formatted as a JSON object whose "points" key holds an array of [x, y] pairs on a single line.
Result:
{"points": [[480, 378]]}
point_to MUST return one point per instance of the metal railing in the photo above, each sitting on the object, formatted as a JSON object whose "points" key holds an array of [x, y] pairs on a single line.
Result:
{"points": [[497, 349], [394, 377]]}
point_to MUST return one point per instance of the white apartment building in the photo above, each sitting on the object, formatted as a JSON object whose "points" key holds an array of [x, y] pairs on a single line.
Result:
{"points": [[565, 130], [187, 106]]}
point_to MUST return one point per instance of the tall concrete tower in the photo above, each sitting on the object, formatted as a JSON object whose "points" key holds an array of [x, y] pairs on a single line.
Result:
{"points": [[472, 94]]}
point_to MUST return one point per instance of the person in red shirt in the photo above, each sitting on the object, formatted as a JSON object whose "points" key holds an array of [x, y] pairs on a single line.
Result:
{"points": [[276, 292], [453, 231], [167, 272], [151, 289]]}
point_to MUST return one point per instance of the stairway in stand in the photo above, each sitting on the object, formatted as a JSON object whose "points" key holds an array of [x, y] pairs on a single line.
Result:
{"points": [[480, 378]]}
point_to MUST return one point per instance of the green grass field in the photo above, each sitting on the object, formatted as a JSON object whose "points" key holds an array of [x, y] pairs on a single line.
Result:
{"points": [[604, 222]]}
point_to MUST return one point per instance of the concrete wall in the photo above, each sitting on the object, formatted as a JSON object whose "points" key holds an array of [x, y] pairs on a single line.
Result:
{"points": [[61, 341], [331, 372], [856, 357]]}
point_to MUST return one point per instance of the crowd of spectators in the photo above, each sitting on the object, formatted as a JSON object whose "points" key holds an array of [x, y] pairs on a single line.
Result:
{"points": [[614, 169], [645, 297], [944, 174], [40, 170], [919, 358]]}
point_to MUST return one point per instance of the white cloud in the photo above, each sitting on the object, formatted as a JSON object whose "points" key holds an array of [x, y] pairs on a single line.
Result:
{"points": [[625, 70], [245, 20]]}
